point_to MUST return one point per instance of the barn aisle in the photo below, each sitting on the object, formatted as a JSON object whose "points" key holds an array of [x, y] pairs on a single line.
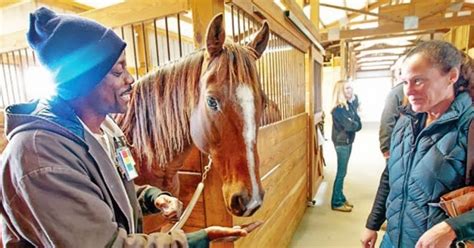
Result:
{"points": [[322, 227]]}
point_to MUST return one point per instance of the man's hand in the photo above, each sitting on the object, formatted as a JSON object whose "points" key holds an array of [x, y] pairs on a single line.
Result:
{"points": [[170, 207], [368, 238], [230, 234], [440, 235]]}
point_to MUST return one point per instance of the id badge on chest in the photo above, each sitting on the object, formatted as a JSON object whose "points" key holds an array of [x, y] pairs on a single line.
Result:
{"points": [[125, 159]]}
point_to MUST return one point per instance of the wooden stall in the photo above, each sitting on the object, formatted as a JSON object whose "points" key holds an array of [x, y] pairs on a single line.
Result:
{"points": [[290, 69]]}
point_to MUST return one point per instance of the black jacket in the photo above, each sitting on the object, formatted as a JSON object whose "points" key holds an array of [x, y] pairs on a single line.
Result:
{"points": [[345, 123]]}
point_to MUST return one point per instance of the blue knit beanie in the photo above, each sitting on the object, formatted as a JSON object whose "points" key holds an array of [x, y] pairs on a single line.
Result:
{"points": [[78, 52]]}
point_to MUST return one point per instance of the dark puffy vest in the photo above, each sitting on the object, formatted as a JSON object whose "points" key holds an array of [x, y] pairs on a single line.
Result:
{"points": [[424, 166]]}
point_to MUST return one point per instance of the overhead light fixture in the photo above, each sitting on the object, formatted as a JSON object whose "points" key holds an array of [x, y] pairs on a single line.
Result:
{"points": [[304, 30]]}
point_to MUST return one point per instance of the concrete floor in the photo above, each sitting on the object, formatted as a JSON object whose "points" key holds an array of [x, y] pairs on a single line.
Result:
{"points": [[322, 227]]}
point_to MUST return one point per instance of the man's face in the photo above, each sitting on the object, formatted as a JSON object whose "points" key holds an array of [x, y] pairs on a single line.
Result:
{"points": [[113, 92], [425, 85]]}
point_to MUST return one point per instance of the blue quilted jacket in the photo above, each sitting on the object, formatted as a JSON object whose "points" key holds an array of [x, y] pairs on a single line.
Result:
{"points": [[426, 163]]}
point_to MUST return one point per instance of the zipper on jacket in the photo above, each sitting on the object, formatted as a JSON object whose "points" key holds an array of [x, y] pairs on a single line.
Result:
{"points": [[406, 176]]}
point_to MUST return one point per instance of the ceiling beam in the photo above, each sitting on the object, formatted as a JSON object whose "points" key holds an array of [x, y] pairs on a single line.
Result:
{"points": [[431, 24], [373, 70], [361, 11], [366, 63], [353, 15], [375, 55], [67, 5], [6, 3], [381, 47], [388, 36]]}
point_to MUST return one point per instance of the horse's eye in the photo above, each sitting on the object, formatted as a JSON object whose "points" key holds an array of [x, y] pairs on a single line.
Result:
{"points": [[212, 103]]}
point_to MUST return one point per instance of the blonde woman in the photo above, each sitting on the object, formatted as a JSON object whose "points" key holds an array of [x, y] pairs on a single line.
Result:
{"points": [[346, 123]]}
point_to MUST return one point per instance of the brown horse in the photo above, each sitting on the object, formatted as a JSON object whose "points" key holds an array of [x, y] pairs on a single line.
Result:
{"points": [[211, 98]]}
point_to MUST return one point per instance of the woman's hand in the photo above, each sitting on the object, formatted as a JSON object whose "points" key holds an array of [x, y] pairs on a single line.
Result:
{"points": [[368, 238], [440, 235]]}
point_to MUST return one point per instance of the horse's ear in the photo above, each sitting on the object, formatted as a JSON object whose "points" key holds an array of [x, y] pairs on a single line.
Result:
{"points": [[215, 36], [259, 43]]}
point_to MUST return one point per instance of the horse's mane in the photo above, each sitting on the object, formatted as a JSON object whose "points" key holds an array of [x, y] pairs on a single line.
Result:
{"points": [[157, 120]]}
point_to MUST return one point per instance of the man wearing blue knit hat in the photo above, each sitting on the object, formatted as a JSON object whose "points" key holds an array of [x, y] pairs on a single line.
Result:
{"points": [[62, 184]]}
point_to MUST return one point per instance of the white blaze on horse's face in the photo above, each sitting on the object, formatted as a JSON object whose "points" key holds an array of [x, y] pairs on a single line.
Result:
{"points": [[246, 101]]}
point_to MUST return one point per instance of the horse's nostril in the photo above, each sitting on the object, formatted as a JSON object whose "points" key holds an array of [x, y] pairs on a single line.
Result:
{"points": [[238, 204]]}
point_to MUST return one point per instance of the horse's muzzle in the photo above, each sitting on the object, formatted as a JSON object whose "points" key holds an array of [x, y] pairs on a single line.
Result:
{"points": [[243, 205]]}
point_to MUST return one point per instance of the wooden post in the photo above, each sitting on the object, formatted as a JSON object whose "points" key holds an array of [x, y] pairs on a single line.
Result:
{"points": [[314, 15], [203, 12], [309, 68], [343, 59]]}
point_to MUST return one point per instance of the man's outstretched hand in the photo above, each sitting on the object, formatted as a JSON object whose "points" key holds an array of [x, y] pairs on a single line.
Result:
{"points": [[171, 208], [230, 234]]}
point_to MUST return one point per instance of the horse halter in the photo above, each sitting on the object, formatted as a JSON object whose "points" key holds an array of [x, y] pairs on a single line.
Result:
{"points": [[189, 209]]}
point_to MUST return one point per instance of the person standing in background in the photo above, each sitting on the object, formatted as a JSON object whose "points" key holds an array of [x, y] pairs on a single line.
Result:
{"points": [[346, 122]]}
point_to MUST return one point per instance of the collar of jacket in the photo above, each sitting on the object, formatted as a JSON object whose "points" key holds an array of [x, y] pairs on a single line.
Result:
{"points": [[54, 115], [459, 106]]}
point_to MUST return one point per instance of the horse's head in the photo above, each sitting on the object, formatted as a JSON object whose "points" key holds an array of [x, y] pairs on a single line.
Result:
{"points": [[225, 120]]}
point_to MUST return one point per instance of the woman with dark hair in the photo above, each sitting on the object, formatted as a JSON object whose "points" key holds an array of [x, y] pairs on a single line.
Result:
{"points": [[346, 123], [428, 153]]}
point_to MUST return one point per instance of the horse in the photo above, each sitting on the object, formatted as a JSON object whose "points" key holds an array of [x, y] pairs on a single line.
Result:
{"points": [[211, 99]]}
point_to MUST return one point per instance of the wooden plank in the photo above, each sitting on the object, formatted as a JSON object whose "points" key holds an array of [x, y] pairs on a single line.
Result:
{"points": [[382, 47], [426, 25], [309, 108], [278, 184], [314, 15], [8, 3], [275, 139], [203, 12], [279, 131], [285, 30], [298, 12], [361, 11], [270, 156], [278, 228], [134, 11], [353, 15], [284, 228], [66, 5]]}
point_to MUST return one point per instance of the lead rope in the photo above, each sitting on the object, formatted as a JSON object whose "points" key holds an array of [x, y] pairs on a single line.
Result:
{"points": [[187, 212]]}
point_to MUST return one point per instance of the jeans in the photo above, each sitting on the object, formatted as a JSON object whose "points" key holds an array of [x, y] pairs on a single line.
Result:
{"points": [[386, 242], [343, 153]]}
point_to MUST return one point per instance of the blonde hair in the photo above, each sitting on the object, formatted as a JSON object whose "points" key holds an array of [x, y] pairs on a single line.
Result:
{"points": [[338, 97]]}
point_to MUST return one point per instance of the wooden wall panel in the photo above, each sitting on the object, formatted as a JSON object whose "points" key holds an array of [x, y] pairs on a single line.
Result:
{"points": [[284, 148], [272, 141], [283, 215]]}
